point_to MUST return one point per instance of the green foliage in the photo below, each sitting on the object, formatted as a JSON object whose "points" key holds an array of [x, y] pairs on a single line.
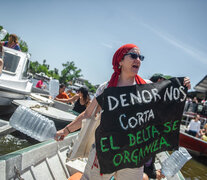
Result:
{"points": [[33, 67], [90, 87], [70, 72], [23, 45]]}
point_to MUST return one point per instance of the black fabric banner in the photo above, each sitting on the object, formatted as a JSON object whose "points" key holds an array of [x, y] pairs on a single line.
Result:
{"points": [[137, 122]]}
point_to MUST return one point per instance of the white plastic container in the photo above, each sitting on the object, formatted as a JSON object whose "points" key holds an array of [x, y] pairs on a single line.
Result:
{"points": [[175, 162], [54, 88], [33, 124], [3, 33]]}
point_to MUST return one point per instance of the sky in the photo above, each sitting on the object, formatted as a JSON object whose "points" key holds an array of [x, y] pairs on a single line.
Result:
{"points": [[172, 35]]}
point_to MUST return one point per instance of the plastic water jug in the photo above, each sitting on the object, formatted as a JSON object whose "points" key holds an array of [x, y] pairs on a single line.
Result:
{"points": [[54, 88], [3, 33], [175, 162], [33, 124]]}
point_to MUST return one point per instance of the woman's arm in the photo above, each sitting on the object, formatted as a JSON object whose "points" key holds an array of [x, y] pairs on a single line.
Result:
{"points": [[76, 124], [74, 98]]}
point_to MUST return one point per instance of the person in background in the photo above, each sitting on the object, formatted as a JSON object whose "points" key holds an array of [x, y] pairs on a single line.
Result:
{"points": [[40, 84], [70, 93], [204, 137], [203, 131], [194, 126], [81, 100], [62, 96], [1, 59], [157, 77], [126, 63], [193, 106], [12, 42], [1, 65]]}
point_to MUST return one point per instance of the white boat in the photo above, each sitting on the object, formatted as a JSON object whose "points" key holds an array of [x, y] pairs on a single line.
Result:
{"points": [[54, 110], [5, 128], [13, 81]]}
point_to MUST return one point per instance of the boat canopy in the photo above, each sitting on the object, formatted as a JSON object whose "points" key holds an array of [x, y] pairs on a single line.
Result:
{"points": [[202, 85]]}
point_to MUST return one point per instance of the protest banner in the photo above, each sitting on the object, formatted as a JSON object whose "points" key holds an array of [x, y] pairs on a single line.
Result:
{"points": [[138, 122]]}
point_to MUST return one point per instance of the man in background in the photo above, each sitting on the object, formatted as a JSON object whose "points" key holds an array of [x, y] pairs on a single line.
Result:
{"points": [[40, 84]]}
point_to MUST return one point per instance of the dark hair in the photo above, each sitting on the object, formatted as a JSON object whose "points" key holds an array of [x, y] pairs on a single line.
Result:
{"points": [[84, 91], [62, 86]]}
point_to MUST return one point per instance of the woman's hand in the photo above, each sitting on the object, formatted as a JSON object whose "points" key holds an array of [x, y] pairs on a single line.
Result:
{"points": [[159, 175], [60, 135], [187, 82]]}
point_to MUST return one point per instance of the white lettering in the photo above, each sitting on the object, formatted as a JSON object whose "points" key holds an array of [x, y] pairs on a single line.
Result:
{"points": [[146, 99], [135, 98], [168, 94], [155, 94], [123, 100], [139, 119], [110, 104], [130, 121], [122, 125], [181, 88], [176, 93]]}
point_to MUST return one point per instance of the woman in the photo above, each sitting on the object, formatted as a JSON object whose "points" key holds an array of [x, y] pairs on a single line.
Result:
{"points": [[126, 63], [83, 101], [12, 43]]}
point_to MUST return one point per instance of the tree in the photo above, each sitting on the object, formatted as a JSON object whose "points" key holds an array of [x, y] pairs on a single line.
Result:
{"points": [[90, 87], [33, 67], [70, 72], [23, 45]]}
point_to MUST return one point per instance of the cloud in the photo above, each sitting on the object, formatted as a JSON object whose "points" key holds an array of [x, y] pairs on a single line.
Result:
{"points": [[193, 52], [107, 45]]}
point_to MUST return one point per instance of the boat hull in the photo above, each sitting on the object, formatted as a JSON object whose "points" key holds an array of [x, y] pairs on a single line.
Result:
{"points": [[6, 97], [193, 144]]}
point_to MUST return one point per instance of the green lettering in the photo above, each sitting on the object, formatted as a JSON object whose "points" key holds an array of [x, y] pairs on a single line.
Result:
{"points": [[134, 157], [119, 160], [155, 146], [167, 125], [126, 156], [148, 148], [132, 140], [112, 144], [154, 131], [103, 149], [148, 130], [163, 141], [140, 153], [143, 134], [138, 137], [175, 125]]}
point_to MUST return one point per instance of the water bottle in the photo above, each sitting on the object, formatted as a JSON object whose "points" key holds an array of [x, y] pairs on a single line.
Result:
{"points": [[54, 88], [33, 124], [3, 33], [175, 162]]}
